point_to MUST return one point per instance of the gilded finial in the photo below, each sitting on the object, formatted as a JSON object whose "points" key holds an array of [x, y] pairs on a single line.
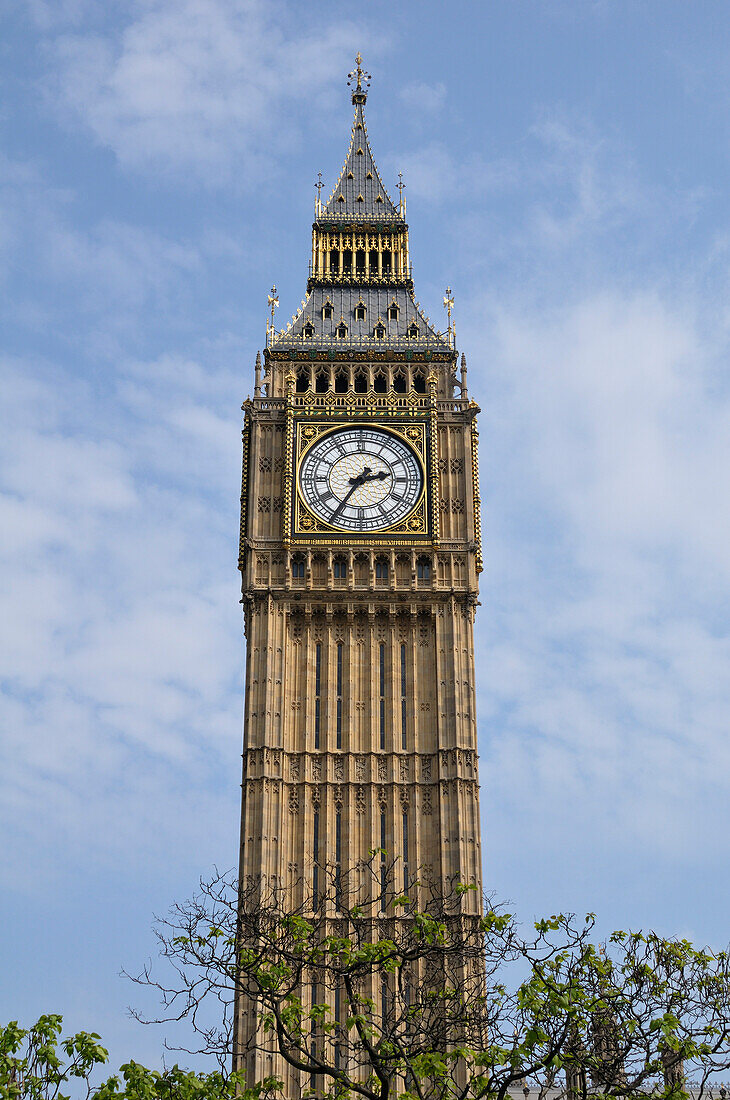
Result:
{"points": [[273, 300], [449, 305], [360, 79], [318, 201]]}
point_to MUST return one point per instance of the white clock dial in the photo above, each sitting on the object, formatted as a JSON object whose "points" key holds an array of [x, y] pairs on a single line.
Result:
{"points": [[361, 479]]}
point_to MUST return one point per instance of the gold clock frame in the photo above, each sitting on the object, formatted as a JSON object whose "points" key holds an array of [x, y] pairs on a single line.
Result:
{"points": [[305, 524]]}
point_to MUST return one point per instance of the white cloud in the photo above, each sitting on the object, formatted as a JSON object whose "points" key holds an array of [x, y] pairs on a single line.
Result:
{"points": [[212, 87], [424, 98], [604, 692]]}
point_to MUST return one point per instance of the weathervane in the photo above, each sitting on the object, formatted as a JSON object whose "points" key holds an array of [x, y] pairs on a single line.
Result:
{"points": [[401, 187], [360, 74], [449, 305], [273, 303], [319, 185]]}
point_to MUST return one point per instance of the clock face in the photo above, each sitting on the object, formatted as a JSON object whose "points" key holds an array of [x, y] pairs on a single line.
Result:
{"points": [[361, 479]]}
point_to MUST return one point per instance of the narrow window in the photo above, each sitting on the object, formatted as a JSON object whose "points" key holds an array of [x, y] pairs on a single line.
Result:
{"points": [[347, 261], [322, 382], [361, 382], [342, 332], [383, 865], [413, 331], [339, 695], [338, 1012], [403, 698], [423, 569], [313, 1039], [399, 382], [393, 309], [419, 382], [309, 330], [381, 569], [297, 568], [339, 567], [380, 383], [338, 860], [317, 691], [327, 308], [382, 696], [359, 313], [405, 852], [315, 854], [379, 332]]}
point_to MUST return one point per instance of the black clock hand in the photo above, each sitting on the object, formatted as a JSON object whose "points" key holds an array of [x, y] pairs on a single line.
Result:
{"points": [[356, 485]]}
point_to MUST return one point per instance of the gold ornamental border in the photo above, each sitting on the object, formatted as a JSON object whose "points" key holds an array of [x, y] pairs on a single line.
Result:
{"points": [[307, 524]]}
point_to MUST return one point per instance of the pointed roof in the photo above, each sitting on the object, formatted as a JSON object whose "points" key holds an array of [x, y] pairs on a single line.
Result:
{"points": [[360, 192]]}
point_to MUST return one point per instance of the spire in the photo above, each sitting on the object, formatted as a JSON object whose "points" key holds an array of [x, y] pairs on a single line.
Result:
{"points": [[360, 192]]}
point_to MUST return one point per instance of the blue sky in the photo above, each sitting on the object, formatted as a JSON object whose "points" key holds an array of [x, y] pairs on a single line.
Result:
{"points": [[566, 167]]}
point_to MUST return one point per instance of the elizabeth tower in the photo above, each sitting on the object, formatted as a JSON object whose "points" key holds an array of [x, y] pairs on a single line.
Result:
{"points": [[360, 555]]}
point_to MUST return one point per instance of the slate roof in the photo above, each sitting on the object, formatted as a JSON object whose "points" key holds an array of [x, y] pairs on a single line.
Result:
{"points": [[344, 300], [359, 184]]}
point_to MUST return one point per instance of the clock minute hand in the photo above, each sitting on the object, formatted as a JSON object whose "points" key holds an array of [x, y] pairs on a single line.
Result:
{"points": [[356, 483]]}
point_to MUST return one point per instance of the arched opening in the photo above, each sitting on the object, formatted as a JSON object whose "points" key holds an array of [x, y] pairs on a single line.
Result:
{"points": [[419, 382], [297, 567], [380, 382], [399, 382], [341, 382], [360, 261], [347, 261], [322, 382], [302, 383], [381, 568], [361, 382], [387, 261]]}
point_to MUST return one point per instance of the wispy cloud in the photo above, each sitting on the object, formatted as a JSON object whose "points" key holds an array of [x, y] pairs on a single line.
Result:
{"points": [[209, 87]]}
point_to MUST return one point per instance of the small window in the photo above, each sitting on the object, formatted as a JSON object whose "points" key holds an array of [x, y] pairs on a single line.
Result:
{"points": [[419, 382], [361, 382], [308, 330], [322, 382], [423, 569], [381, 569], [359, 126], [413, 331], [360, 153], [350, 176], [379, 331], [379, 198], [360, 312], [342, 331], [327, 310], [380, 382], [393, 312], [340, 568], [360, 198], [297, 567], [369, 176], [341, 198], [399, 382]]}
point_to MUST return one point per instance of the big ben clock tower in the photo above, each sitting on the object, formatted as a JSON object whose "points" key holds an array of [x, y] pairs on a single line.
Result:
{"points": [[360, 555]]}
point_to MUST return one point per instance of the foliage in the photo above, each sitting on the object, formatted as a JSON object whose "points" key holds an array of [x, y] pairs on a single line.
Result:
{"points": [[373, 991], [35, 1064]]}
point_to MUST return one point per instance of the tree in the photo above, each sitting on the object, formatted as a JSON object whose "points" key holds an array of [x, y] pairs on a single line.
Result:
{"points": [[36, 1064], [366, 991]]}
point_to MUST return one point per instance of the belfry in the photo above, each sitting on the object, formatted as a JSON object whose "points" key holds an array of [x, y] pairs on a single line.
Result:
{"points": [[360, 556]]}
